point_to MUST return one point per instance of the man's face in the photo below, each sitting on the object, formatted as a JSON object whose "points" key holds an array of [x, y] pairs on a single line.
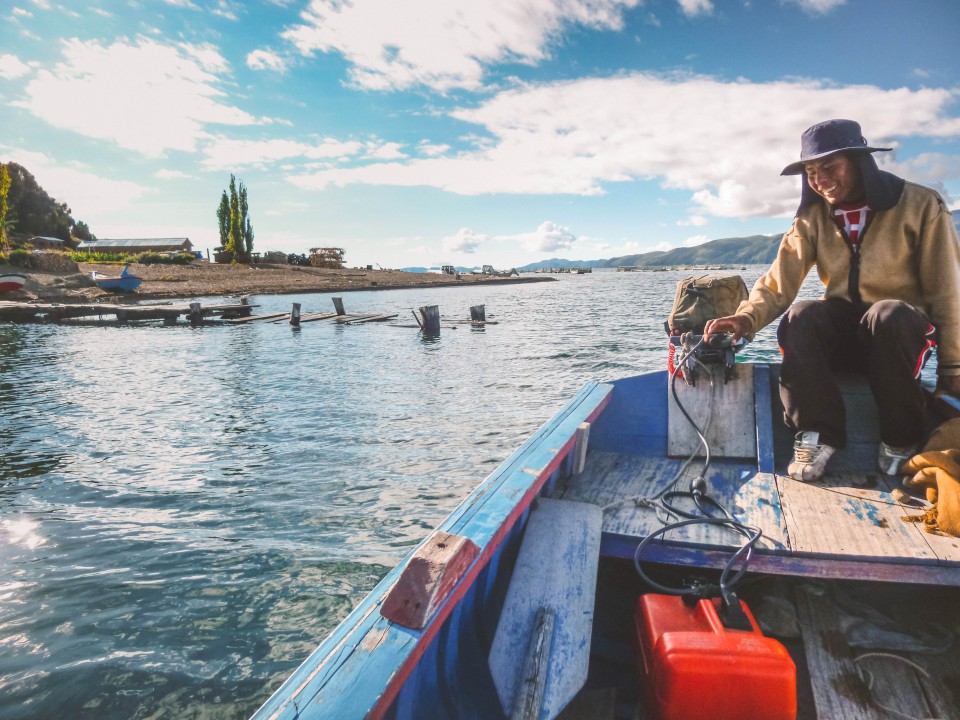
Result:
{"points": [[836, 178]]}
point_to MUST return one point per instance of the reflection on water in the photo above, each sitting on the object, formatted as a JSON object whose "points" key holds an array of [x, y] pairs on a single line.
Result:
{"points": [[186, 512]]}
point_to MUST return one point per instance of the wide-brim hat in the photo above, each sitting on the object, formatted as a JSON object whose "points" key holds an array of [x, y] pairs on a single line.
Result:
{"points": [[828, 138]]}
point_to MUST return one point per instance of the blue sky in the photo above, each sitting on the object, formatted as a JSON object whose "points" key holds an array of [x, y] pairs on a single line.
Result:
{"points": [[421, 132]]}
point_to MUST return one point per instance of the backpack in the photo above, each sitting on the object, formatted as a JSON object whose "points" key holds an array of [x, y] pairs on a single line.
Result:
{"points": [[704, 298]]}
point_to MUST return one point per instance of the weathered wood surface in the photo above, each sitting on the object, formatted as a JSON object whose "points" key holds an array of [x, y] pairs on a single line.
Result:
{"points": [[616, 481], [58, 312], [255, 318], [556, 571], [859, 682], [730, 432]]}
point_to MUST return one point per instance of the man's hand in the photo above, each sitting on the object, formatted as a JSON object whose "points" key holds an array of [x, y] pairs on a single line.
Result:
{"points": [[949, 384], [736, 325]]}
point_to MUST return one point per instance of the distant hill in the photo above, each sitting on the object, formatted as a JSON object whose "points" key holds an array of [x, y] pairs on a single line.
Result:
{"points": [[752, 250]]}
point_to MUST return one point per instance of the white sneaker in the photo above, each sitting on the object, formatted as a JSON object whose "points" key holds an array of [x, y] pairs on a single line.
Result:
{"points": [[889, 458], [809, 457]]}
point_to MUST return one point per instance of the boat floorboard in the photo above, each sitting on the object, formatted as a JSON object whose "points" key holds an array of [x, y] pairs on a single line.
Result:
{"points": [[847, 525]]}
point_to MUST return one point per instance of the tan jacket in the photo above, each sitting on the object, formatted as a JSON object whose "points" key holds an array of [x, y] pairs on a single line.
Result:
{"points": [[908, 253]]}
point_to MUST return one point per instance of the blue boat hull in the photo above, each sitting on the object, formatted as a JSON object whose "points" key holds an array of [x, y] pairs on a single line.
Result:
{"points": [[121, 284], [372, 667]]}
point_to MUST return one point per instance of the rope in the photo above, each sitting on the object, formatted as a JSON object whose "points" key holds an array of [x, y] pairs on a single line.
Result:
{"points": [[867, 678]]}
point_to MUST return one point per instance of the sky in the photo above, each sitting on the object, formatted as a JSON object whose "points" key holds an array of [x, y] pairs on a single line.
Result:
{"points": [[467, 132]]}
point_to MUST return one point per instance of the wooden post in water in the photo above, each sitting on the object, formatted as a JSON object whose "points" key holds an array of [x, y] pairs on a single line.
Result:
{"points": [[338, 306], [247, 309], [431, 319], [478, 313], [295, 315], [196, 314]]}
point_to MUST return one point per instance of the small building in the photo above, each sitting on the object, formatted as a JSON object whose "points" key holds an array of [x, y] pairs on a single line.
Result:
{"points": [[327, 257], [137, 245], [41, 242]]}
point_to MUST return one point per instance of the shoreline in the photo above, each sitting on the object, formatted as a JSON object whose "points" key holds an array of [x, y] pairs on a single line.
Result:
{"points": [[201, 279]]}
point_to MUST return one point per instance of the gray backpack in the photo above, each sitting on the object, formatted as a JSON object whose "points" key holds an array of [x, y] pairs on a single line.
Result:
{"points": [[704, 298]]}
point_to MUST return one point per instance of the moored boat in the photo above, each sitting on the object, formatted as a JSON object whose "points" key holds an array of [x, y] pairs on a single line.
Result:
{"points": [[125, 282], [558, 582], [9, 282]]}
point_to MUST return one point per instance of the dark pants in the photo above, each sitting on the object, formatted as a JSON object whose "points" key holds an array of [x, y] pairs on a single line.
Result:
{"points": [[888, 341]]}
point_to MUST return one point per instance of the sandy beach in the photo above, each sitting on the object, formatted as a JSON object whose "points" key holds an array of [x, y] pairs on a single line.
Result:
{"points": [[202, 279]]}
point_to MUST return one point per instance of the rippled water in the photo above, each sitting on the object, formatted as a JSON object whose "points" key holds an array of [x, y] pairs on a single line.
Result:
{"points": [[185, 513]]}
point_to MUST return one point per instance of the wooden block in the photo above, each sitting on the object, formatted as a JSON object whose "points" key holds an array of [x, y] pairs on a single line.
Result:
{"points": [[428, 578], [732, 432]]}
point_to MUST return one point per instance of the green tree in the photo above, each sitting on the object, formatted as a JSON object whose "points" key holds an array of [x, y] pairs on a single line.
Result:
{"points": [[236, 231], [37, 213], [248, 239], [82, 232], [4, 191], [223, 219]]}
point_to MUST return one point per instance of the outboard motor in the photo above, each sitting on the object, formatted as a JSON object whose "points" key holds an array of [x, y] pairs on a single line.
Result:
{"points": [[697, 301]]}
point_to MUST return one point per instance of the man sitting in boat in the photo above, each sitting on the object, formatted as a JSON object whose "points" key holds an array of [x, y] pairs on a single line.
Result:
{"points": [[887, 252]]}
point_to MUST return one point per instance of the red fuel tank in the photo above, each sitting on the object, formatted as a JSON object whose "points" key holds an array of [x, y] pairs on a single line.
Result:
{"points": [[694, 668]]}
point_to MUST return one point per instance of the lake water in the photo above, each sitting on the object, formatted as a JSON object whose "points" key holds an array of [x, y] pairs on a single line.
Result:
{"points": [[186, 512]]}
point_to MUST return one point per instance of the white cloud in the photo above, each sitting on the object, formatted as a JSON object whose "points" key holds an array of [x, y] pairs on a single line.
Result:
{"points": [[568, 138], [87, 194], [144, 96], [428, 149], [818, 7], [42, 4], [384, 40], [226, 10], [694, 220], [549, 237], [692, 8], [266, 60], [21, 13], [11, 67], [385, 151], [186, 4], [696, 240], [165, 174], [465, 241], [224, 153]]}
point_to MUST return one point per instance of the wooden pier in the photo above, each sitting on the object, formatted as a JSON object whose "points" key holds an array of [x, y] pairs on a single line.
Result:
{"points": [[194, 312], [227, 314]]}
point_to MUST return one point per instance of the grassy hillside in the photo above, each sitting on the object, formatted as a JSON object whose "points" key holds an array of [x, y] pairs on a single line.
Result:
{"points": [[752, 250]]}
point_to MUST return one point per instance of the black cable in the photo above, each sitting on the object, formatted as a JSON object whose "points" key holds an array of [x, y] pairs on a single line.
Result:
{"points": [[698, 494]]}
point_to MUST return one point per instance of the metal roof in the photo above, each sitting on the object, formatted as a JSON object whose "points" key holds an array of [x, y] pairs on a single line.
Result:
{"points": [[134, 242]]}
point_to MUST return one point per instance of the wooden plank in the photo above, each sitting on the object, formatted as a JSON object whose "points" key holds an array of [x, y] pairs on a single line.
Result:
{"points": [[556, 570], [763, 415], [846, 516], [615, 480], [839, 687], [376, 317], [732, 430], [254, 318], [838, 690]]}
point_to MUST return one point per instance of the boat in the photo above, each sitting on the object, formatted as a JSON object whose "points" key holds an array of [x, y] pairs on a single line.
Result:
{"points": [[9, 282], [124, 282], [552, 589]]}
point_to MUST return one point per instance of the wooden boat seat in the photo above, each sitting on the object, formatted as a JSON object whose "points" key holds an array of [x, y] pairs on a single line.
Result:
{"points": [[541, 650]]}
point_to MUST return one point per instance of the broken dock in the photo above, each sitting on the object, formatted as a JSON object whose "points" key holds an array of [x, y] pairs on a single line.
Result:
{"points": [[194, 312]]}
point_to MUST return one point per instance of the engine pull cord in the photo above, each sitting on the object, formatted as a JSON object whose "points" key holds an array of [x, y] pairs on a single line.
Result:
{"points": [[698, 493]]}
